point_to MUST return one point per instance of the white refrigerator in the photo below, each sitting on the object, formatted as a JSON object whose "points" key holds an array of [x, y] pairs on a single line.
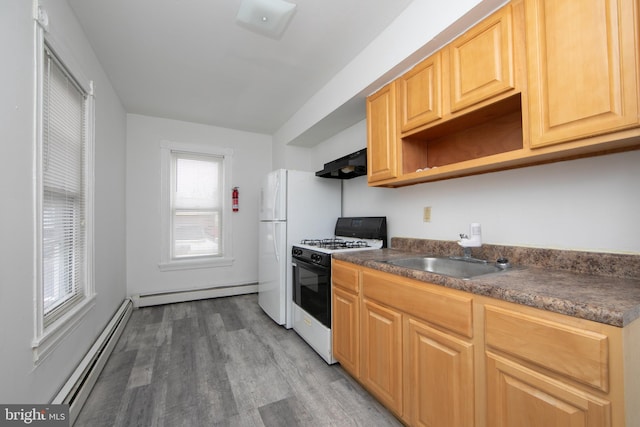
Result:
{"points": [[294, 205]]}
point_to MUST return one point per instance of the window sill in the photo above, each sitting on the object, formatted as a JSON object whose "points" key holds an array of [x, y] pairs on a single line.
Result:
{"points": [[44, 344], [190, 264]]}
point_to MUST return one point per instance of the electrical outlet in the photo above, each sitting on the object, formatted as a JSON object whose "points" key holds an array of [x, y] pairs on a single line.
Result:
{"points": [[426, 214]]}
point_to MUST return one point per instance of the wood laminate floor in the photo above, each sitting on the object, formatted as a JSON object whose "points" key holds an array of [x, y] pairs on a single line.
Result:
{"points": [[222, 362]]}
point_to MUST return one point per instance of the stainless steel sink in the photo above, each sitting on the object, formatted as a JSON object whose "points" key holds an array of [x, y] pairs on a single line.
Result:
{"points": [[459, 268]]}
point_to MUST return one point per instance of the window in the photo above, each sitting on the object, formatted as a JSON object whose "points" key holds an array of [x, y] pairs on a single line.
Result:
{"points": [[64, 171], [196, 206], [195, 220], [64, 226]]}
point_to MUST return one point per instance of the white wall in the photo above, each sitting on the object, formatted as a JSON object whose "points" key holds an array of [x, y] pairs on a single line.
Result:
{"points": [[20, 380], [251, 162], [291, 157], [586, 204]]}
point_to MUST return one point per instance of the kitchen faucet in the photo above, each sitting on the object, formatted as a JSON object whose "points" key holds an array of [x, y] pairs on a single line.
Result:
{"points": [[466, 250], [475, 241]]}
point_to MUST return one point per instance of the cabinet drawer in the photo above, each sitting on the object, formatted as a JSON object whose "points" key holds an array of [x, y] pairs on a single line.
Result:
{"points": [[577, 353], [442, 308], [345, 277]]}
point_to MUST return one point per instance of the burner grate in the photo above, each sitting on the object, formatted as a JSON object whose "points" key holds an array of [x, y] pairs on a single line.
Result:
{"points": [[335, 243]]}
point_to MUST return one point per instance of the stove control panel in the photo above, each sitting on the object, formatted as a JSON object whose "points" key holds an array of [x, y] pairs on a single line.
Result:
{"points": [[311, 256]]}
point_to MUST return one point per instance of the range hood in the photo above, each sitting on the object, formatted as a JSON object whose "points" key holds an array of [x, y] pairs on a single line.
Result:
{"points": [[347, 167]]}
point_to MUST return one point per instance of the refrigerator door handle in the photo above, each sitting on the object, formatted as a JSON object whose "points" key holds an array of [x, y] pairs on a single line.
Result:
{"points": [[275, 247], [261, 200], [275, 214], [275, 243]]}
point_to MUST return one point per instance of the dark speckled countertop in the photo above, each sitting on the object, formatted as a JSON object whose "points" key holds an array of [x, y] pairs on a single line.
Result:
{"points": [[601, 287]]}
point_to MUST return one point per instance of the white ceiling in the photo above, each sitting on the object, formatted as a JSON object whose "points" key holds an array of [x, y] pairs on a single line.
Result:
{"points": [[189, 60]]}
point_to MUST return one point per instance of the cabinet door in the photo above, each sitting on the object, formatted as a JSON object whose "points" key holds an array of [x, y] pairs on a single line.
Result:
{"points": [[381, 134], [346, 334], [521, 397], [440, 376], [582, 68], [382, 354], [482, 61], [419, 94]]}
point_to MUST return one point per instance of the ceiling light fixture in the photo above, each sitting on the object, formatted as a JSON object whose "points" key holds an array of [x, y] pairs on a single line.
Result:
{"points": [[267, 17]]}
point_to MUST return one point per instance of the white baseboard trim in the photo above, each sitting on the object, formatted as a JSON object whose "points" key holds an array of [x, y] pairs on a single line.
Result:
{"points": [[145, 300], [77, 388]]}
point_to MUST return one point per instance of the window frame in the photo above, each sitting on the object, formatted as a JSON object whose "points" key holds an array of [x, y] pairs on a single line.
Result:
{"points": [[48, 335], [167, 262]]}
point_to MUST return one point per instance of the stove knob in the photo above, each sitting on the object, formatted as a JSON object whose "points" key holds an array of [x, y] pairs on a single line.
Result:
{"points": [[297, 251], [316, 258]]}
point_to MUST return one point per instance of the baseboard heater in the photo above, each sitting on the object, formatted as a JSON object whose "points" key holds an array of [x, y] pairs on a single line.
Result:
{"points": [[77, 388], [172, 297]]}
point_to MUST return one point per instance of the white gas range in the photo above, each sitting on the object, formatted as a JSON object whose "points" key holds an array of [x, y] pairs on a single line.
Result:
{"points": [[311, 263]]}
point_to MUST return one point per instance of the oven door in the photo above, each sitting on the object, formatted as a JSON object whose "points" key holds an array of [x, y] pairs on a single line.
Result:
{"points": [[312, 290]]}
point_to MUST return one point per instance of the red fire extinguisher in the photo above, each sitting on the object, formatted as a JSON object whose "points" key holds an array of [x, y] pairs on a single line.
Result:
{"points": [[234, 199]]}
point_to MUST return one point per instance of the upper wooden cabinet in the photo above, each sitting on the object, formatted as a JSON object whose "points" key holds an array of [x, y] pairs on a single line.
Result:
{"points": [[475, 67], [537, 81], [473, 83], [482, 61], [381, 134], [582, 68], [420, 94]]}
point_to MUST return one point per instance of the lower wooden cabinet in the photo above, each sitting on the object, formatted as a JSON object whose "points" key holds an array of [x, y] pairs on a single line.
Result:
{"points": [[522, 397], [490, 364], [440, 376], [412, 360]]}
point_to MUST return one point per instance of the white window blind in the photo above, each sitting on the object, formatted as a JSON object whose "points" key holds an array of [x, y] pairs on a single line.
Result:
{"points": [[196, 205], [64, 172]]}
